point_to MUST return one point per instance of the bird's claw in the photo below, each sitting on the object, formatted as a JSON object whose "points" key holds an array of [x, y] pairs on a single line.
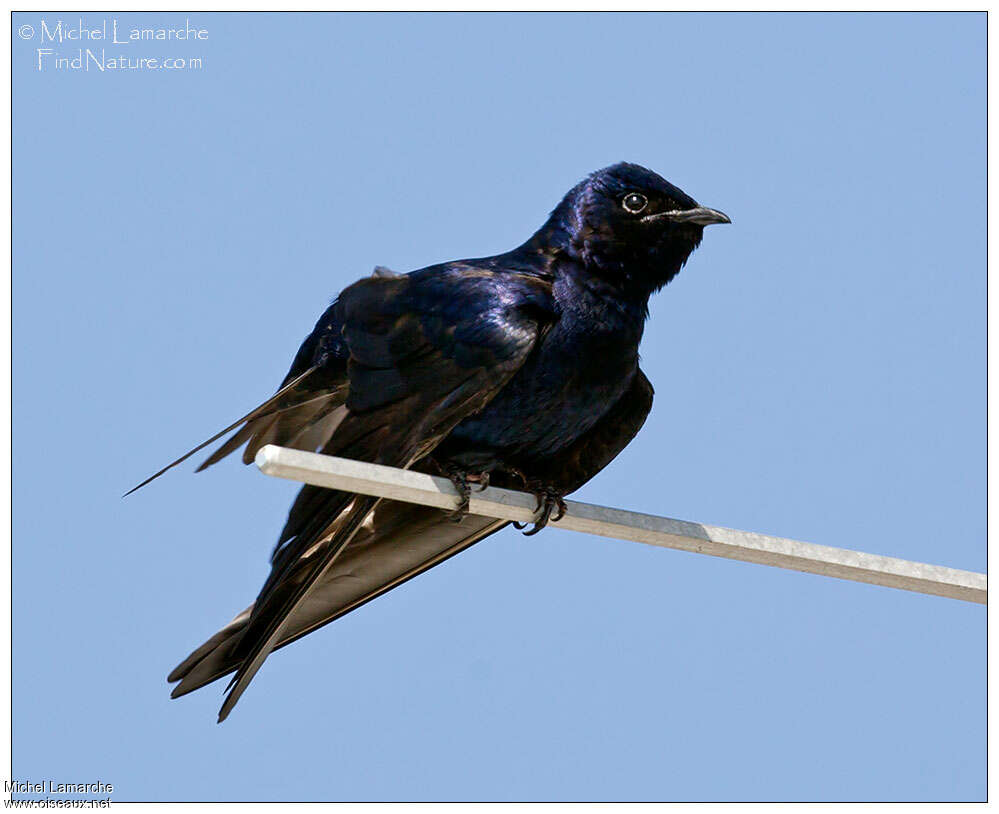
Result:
{"points": [[524, 480], [461, 481], [548, 500]]}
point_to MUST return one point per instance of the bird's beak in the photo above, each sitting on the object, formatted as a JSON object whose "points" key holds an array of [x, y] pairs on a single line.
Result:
{"points": [[700, 215]]}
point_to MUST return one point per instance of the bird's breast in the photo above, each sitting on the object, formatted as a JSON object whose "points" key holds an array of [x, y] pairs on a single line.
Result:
{"points": [[583, 364]]}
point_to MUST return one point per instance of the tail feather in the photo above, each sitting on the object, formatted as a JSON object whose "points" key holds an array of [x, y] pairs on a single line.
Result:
{"points": [[272, 619], [211, 653], [400, 542]]}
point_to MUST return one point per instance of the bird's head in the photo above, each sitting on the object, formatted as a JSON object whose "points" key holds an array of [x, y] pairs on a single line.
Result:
{"points": [[629, 224]]}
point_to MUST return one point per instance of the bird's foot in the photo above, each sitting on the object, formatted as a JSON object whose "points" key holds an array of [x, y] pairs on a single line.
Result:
{"points": [[462, 480], [525, 482], [549, 499]]}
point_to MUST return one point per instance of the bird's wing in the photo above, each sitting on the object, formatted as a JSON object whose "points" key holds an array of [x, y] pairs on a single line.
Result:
{"points": [[425, 351], [305, 410], [400, 541]]}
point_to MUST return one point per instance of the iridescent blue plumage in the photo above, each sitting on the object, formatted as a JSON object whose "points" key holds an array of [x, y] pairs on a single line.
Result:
{"points": [[521, 368]]}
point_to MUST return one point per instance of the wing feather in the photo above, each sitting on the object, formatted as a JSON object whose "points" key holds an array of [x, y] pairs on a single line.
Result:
{"points": [[423, 355], [282, 400]]}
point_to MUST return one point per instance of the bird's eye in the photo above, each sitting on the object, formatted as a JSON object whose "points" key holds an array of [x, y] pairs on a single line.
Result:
{"points": [[634, 202]]}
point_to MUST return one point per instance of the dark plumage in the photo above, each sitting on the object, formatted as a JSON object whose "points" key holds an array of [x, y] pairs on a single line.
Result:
{"points": [[522, 368]]}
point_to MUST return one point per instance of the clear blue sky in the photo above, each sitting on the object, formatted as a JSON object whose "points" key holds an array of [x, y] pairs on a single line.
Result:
{"points": [[819, 370]]}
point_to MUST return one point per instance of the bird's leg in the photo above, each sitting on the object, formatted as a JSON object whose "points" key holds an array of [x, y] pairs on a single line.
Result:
{"points": [[549, 499], [524, 481], [482, 478], [461, 480]]}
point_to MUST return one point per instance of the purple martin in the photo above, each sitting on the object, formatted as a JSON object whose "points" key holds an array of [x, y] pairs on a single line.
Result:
{"points": [[519, 369]]}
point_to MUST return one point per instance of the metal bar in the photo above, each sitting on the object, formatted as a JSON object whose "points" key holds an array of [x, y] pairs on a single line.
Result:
{"points": [[414, 487]]}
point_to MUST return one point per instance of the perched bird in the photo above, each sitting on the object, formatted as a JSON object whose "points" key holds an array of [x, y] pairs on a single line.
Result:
{"points": [[521, 368]]}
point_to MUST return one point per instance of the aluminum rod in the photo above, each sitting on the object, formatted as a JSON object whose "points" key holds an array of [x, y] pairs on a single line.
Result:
{"points": [[414, 487]]}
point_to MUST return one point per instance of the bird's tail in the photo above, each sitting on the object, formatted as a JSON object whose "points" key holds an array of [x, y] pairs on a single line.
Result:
{"points": [[391, 544]]}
